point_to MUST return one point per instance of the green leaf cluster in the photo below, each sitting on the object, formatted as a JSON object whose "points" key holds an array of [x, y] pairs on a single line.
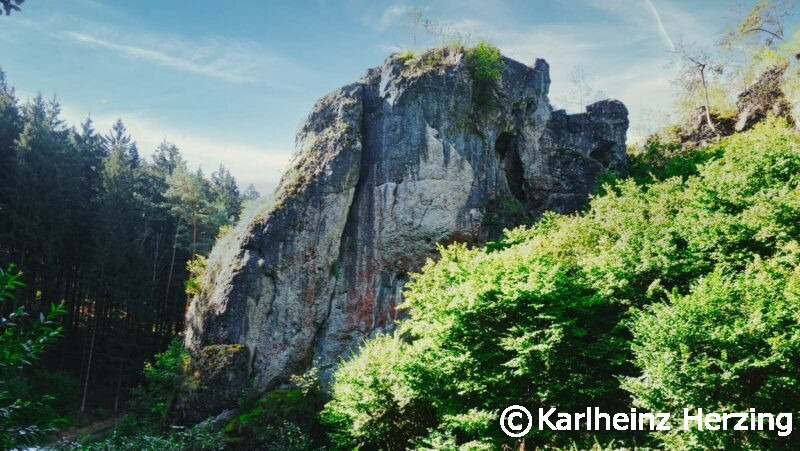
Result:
{"points": [[485, 61], [24, 417]]}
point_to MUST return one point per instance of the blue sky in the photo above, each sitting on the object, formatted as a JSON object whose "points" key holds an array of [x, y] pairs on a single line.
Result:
{"points": [[230, 82]]}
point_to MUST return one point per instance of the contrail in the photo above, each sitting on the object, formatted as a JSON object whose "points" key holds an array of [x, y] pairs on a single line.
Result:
{"points": [[662, 31]]}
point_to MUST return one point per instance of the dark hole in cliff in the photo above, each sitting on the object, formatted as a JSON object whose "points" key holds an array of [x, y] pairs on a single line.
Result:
{"points": [[508, 153], [602, 153]]}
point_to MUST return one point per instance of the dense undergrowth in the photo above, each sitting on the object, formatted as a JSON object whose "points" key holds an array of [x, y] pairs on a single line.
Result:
{"points": [[679, 287]]}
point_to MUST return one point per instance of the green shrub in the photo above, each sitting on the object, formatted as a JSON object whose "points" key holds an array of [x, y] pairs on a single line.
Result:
{"points": [[163, 379], [485, 61], [545, 316], [658, 160], [197, 271], [408, 57], [374, 400]]}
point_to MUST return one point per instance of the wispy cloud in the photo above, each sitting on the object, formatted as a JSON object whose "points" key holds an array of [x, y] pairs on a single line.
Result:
{"points": [[233, 61], [662, 31], [210, 68]]}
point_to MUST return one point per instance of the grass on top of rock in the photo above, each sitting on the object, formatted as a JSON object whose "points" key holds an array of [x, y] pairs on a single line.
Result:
{"points": [[483, 59]]}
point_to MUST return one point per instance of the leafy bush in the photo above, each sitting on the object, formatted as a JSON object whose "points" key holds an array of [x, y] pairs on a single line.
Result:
{"points": [[659, 160], [163, 379], [149, 426], [374, 399], [197, 271], [698, 264], [24, 418], [485, 61]]}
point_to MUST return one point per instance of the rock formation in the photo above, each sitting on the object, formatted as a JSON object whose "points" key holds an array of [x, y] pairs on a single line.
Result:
{"points": [[765, 96], [414, 154]]}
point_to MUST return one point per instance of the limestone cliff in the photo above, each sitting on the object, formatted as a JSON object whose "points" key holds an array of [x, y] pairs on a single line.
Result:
{"points": [[413, 154]]}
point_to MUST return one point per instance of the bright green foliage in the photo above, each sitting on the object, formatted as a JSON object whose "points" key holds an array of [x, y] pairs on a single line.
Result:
{"points": [[408, 57], [197, 269], [660, 159], [373, 399], [148, 427], [730, 344], [24, 418], [163, 380], [545, 316], [485, 61]]}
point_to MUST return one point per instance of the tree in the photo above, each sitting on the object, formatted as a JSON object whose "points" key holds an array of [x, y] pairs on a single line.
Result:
{"points": [[750, 45], [582, 90], [733, 332], [250, 193], [119, 138], [167, 158], [187, 200], [225, 191], [695, 71], [93, 224], [10, 126], [762, 26], [414, 20], [11, 5]]}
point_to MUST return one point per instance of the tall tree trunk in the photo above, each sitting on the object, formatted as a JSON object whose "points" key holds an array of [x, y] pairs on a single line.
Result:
{"points": [[89, 365], [161, 320], [708, 107], [119, 388], [194, 234]]}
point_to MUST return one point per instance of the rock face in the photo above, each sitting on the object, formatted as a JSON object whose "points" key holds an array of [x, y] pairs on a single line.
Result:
{"points": [[764, 96], [407, 157]]}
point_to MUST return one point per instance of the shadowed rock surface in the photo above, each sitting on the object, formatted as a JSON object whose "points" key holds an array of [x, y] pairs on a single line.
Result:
{"points": [[407, 157]]}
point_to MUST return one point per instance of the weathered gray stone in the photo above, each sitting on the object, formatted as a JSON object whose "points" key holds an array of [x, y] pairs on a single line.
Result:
{"points": [[765, 96], [386, 168]]}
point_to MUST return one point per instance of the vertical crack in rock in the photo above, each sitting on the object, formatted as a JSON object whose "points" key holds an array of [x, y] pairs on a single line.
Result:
{"points": [[384, 169]]}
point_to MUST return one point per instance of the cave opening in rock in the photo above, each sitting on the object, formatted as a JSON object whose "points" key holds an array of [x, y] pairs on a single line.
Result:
{"points": [[507, 150]]}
